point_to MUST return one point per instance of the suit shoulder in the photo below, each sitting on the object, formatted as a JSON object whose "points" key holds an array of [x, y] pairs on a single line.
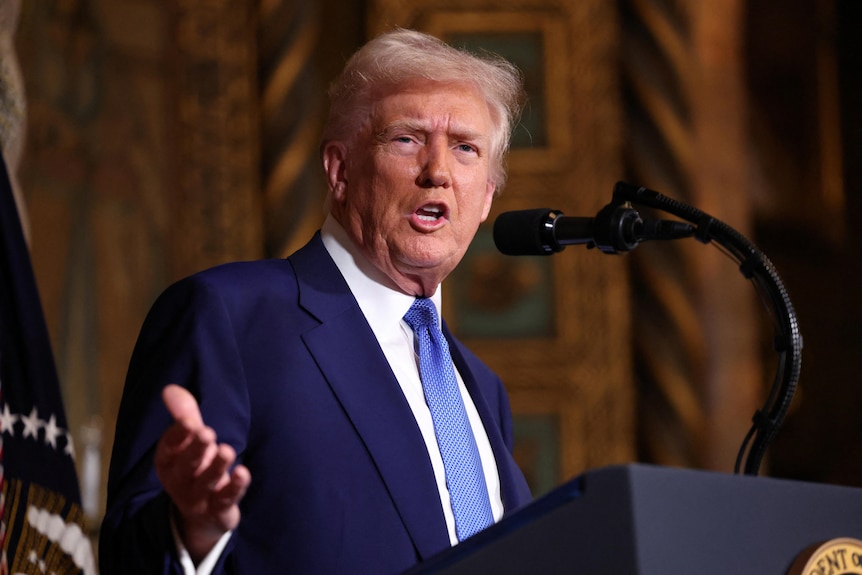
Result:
{"points": [[255, 275], [242, 273], [236, 282]]}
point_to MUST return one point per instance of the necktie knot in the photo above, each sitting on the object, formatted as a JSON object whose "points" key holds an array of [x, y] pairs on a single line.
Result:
{"points": [[421, 314]]}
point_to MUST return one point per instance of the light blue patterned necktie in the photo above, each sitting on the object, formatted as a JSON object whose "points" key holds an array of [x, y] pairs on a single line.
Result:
{"points": [[464, 476]]}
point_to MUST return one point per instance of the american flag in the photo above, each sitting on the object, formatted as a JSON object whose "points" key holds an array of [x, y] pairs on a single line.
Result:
{"points": [[42, 523]]}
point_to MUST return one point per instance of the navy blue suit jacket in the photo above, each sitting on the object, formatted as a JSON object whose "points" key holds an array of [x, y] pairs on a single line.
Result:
{"points": [[287, 371]]}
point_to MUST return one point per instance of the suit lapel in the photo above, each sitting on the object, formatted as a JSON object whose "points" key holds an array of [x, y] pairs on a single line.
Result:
{"points": [[359, 375]]}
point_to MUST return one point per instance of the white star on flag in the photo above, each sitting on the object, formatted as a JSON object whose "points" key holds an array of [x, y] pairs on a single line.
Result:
{"points": [[32, 423], [70, 447], [7, 421], [52, 432]]}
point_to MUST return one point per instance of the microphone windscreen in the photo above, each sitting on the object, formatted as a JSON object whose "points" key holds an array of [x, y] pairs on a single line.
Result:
{"points": [[523, 232]]}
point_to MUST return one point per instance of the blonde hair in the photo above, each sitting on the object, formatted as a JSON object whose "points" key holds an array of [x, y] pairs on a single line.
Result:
{"points": [[402, 55]]}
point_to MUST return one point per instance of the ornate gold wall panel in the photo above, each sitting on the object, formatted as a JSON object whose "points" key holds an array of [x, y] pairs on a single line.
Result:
{"points": [[99, 198], [141, 165], [292, 113], [217, 146], [696, 351], [555, 328]]}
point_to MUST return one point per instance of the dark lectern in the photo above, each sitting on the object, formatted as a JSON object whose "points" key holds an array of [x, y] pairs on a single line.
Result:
{"points": [[647, 520]]}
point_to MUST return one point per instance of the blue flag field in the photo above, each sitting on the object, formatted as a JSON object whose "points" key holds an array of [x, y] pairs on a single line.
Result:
{"points": [[42, 523]]}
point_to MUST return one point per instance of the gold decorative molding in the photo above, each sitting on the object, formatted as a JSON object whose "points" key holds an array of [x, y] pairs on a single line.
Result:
{"points": [[292, 113], [695, 352], [217, 137]]}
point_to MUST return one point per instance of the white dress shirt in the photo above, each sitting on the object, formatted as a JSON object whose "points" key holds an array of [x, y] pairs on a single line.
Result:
{"points": [[384, 307]]}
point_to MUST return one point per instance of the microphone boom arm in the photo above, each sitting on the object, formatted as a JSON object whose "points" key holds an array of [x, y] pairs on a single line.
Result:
{"points": [[754, 265]]}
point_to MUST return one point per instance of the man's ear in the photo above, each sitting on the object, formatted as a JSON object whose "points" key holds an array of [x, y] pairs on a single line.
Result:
{"points": [[490, 190], [335, 166]]}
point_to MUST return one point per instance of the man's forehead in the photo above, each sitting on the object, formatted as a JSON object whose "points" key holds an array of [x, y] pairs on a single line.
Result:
{"points": [[458, 105]]}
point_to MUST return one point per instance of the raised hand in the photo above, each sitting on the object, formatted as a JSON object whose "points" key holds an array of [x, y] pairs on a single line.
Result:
{"points": [[195, 471]]}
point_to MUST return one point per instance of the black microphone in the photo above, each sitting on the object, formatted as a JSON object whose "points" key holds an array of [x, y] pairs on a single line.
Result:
{"points": [[615, 229]]}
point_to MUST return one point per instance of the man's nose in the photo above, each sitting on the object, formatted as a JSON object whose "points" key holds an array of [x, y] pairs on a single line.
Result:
{"points": [[435, 171]]}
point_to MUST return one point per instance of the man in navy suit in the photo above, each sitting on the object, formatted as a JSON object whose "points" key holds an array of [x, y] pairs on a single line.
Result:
{"points": [[273, 419]]}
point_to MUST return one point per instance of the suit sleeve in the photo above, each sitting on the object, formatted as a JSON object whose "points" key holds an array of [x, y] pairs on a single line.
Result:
{"points": [[188, 339]]}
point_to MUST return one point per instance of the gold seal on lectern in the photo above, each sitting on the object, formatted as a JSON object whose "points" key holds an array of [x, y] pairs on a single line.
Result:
{"points": [[841, 556]]}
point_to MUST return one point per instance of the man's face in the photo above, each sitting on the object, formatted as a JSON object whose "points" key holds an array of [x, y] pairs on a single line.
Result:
{"points": [[414, 186]]}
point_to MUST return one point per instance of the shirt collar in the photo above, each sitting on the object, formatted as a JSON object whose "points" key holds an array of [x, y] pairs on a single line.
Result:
{"points": [[380, 302]]}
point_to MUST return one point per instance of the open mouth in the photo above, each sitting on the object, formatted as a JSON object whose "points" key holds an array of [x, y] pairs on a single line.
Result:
{"points": [[430, 213]]}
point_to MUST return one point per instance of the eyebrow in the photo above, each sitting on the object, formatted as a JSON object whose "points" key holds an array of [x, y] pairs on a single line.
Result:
{"points": [[414, 126], [399, 126]]}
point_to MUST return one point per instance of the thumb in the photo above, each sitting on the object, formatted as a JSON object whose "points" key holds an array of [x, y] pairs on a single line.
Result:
{"points": [[182, 405]]}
